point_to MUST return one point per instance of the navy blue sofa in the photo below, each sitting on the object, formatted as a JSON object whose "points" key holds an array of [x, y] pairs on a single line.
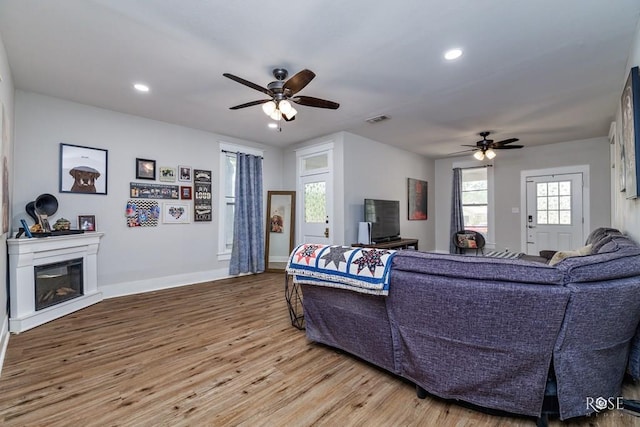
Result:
{"points": [[491, 331]]}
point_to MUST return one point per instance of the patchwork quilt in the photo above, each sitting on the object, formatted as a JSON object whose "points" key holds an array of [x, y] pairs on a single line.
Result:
{"points": [[364, 270]]}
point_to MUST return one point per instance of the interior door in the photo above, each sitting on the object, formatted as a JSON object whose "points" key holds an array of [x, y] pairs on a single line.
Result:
{"points": [[315, 190], [554, 212]]}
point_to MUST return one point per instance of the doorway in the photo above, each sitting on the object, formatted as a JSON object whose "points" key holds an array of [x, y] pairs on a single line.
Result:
{"points": [[556, 207], [315, 190]]}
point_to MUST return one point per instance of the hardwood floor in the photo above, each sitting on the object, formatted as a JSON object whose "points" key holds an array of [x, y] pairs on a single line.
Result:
{"points": [[212, 354]]}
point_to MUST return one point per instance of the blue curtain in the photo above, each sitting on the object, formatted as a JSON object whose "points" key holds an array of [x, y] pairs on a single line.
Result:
{"points": [[247, 254], [457, 217]]}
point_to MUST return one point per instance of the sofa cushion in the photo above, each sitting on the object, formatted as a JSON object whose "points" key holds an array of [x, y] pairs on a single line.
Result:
{"points": [[477, 268], [601, 233]]}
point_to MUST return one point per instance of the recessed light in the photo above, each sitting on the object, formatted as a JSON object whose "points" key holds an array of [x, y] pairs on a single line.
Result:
{"points": [[452, 54], [141, 87], [273, 125]]}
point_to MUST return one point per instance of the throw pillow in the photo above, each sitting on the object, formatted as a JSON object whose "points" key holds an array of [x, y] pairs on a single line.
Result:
{"points": [[467, 240], [560, 255]]}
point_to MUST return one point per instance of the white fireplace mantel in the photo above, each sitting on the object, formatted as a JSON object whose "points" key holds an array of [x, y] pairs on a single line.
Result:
{"points": [[25, 254]]}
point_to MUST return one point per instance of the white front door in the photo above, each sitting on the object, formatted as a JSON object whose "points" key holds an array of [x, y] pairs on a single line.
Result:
{"points": [[315, 190], [554, 212]]}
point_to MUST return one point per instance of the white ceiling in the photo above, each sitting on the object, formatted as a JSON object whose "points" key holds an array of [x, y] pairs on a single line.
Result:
{"points": [[543, 71]]}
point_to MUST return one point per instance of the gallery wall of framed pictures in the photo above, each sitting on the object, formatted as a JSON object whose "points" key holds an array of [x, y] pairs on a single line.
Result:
{"points": [[178, 209]]}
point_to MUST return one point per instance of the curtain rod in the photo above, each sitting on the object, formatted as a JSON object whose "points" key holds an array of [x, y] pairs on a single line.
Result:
{"points": [[476, 167], [239, 152]]}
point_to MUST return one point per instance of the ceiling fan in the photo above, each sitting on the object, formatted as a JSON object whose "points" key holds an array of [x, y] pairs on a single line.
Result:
{"points": [[282, 93], [484, 148]]}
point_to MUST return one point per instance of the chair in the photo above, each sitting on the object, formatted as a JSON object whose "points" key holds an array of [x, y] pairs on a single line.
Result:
{"points": [[468, 239]]}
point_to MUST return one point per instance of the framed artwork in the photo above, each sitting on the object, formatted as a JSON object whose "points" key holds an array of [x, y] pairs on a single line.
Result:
{"points": [[167, 174], [184, 173], [417, 196], [87, 222], [145, 169], [185, 192], [83, 169], [176, 213], [630, 133], [153, 191]]}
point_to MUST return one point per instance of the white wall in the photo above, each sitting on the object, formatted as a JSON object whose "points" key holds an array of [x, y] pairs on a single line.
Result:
{"points": [[364, 168], [507, 166], [378, 171], [129, 259], [627, 216], [6, 100]]}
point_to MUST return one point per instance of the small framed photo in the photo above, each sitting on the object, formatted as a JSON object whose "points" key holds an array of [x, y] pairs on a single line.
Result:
{"points": [[145, 169], [184, 173], [185, 192], [167, 174], [87, 222], [83, 169], [176, 213]]}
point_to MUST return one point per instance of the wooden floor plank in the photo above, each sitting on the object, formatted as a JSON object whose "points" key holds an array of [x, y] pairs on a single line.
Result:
{"points": [[213, 354]]}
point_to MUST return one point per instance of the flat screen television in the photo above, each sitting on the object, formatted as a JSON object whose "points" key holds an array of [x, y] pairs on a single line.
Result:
{"points": [[384, 216]]}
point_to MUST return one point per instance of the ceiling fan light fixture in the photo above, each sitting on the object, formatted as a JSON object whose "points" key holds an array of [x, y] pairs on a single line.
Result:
{"points": [[292, 112], [276, 115], [285, 107], [479, 155], [269, 107], [490, 154]]}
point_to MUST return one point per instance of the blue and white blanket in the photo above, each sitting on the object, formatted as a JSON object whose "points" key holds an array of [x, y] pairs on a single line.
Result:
{"points": [[364, 270]]}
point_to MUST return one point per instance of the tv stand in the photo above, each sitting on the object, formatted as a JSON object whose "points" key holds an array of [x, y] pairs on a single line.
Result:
{"points": [[398, 243]]}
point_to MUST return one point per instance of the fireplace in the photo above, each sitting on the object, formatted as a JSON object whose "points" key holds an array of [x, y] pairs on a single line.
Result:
{"points": [[57, 282], [50, 277]]}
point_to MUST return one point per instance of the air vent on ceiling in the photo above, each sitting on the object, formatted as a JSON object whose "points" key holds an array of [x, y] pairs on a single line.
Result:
{"points": [[377, 119]]}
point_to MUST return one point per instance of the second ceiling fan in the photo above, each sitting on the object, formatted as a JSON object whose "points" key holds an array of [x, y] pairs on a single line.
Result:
{"points": [[484, 148], [282, 93]]}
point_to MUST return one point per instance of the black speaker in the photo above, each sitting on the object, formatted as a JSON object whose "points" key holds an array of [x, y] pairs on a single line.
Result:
{"points": [[46, 204]]}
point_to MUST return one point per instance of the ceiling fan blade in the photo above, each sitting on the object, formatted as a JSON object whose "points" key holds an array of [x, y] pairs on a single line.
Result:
{"points": [[315, 102], [296, 83], [466, 145], [460, 152], [507, 147], [248, 83], [249, 104], [507, 141]]}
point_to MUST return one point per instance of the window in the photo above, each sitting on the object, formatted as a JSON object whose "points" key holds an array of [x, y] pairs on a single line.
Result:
{"points": [[553, 202], [475, 199], [229, 198], [227, 201]]}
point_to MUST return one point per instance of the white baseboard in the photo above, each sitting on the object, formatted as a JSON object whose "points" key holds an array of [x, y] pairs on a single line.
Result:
{"points": [[164, 282], [4, 340]]}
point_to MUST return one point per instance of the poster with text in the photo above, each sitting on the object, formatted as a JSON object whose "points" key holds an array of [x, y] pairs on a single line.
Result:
{"points": [[202, 197]]}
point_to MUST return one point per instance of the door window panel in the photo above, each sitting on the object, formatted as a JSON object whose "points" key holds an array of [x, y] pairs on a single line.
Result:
{"points": [[315, 202], [553, 202]]}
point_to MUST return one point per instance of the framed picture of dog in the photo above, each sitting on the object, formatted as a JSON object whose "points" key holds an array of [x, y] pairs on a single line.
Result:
{"points": [[83, 169]]}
